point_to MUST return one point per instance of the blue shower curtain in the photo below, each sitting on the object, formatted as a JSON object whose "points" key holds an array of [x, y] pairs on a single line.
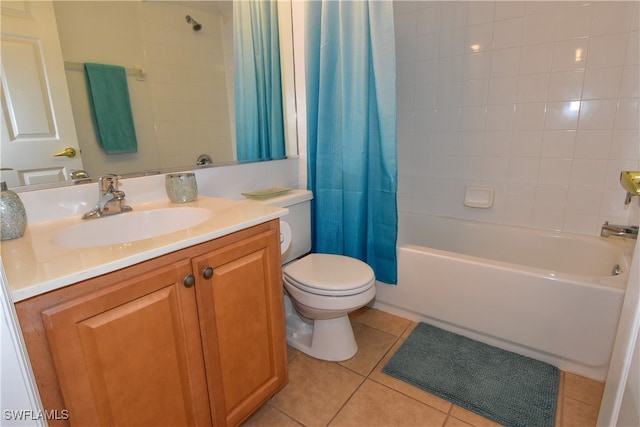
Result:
{"points": [[258, 87], [352, 141]]}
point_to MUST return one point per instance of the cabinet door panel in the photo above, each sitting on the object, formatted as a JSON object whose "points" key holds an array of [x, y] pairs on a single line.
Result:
{"points": [[242, 333], [130, 354], [242, 321]]}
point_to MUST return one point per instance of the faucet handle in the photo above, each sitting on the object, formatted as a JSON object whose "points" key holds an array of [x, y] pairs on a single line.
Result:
{"points": [[108, 183]]}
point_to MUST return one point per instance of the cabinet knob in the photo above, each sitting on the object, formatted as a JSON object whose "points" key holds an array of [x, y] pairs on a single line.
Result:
{"points": [[189, 280], [207, 273]]}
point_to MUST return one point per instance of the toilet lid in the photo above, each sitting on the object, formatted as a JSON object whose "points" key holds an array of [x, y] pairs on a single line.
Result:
{"points": [[326, 274]]}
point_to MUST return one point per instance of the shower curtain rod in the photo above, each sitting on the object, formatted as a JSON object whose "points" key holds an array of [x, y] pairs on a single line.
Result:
{"points": [[137, 71]]}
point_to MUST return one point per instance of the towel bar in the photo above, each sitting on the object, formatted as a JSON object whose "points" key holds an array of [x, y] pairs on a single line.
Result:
{"points": [[138, 71]]}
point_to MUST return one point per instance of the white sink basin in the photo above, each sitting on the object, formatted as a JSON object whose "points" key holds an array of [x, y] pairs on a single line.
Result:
{"points": [[130, 227]]}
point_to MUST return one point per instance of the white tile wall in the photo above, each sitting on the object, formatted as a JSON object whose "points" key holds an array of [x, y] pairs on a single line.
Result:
{"points": [[188, 85], [536, 99]]}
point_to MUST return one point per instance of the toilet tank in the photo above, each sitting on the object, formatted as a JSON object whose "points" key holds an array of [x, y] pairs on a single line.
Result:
{"points": [[299, 219]]}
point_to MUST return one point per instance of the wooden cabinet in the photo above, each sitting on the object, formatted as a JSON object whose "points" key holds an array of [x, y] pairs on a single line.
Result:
{"points": [[132, 345], [195, 337], [244, 342]]}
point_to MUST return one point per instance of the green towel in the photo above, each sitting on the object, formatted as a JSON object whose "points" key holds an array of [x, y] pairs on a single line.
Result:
{"points": [[111, 108]]}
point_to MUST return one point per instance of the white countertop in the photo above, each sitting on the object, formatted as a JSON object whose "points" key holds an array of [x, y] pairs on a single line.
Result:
{"points": [[34, 265]]}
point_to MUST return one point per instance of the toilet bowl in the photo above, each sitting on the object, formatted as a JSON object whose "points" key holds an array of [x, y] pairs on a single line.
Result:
{"points": [[321, 291]]}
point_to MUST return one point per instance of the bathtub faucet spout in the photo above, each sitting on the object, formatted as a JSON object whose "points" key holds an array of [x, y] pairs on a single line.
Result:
{"points": [[628, 231]]}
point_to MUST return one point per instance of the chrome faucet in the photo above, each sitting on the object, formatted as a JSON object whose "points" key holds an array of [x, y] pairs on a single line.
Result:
{"points": [[628, 231], [110, 198]]}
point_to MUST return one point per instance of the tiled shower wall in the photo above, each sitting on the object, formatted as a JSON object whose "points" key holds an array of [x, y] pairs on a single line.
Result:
{"points": [[189, 84], [184, 105], [538, 100]]}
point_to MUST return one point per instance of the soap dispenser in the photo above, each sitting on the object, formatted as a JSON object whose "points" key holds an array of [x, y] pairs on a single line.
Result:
{"points": [[13, 217]]}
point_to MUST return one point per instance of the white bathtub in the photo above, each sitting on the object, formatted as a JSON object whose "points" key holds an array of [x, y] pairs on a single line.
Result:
{"points": [[546, 295]]}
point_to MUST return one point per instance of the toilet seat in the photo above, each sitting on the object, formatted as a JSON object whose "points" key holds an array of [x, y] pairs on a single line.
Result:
{"points": [[330, 275]]}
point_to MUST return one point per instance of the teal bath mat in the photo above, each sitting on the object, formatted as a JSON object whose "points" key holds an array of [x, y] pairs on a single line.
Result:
{"points": [[502, 386]]}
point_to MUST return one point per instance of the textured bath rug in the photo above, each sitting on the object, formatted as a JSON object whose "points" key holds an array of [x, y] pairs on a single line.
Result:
{"points": [[502, 386]]}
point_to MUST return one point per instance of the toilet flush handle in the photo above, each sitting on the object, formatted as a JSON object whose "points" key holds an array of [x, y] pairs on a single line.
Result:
{"points": [[207, 273]]}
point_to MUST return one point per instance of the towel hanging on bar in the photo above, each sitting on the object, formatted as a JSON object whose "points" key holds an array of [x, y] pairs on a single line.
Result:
{"points": [[111, 108], [137, 71]]}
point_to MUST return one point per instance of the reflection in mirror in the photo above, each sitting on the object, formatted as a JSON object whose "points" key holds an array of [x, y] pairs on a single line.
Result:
{"points": [[182, 107], [184, 103], [180, 80], [260, 130]]}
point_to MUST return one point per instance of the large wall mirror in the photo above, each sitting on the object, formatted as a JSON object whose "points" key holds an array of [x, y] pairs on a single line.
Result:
{"points": [[179, 59]]}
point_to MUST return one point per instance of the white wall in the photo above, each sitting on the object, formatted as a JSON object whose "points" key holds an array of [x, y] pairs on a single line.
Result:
{"points": [[536, 99]]}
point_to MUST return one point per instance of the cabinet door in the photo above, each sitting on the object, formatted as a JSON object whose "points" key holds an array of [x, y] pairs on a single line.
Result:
{"points": [[130, 354], [242, 321]]}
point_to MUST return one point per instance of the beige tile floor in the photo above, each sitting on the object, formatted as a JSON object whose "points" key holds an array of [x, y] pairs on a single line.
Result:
{"points": [[356, 393]]}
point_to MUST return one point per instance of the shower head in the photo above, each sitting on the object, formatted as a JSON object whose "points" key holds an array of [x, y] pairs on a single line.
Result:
{"points": [[196, 24]]}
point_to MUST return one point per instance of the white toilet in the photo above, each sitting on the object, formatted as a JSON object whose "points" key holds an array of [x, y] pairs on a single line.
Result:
{"points": [[321, 289]]}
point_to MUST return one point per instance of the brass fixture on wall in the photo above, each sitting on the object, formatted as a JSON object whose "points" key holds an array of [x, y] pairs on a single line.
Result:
{"points": [[630, 181]]}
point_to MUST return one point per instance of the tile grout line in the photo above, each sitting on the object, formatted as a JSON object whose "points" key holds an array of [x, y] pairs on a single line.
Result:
{"points": [[399, 338], [289, 416], [366, 377], [347, 399], [447, 414]]}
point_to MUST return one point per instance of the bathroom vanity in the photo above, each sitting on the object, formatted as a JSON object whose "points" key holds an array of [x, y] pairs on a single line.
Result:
{"points": [[181, 329]]}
